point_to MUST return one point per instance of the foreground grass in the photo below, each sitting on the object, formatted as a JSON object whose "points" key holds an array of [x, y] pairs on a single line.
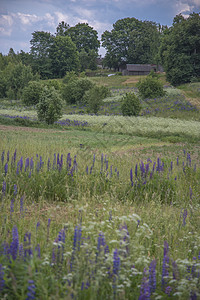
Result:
{"points": [[80, 220]]}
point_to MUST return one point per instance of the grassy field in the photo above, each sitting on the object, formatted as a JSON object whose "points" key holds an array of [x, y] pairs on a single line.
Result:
{"points": [[100, 207]]}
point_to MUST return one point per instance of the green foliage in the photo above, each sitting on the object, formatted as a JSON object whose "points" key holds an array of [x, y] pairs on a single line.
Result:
{"points": [[49, 107], [130, 105], [32, 92], [150, 88], [64, 56], [131, 41], [74, 91], [15, 78], [179, 50], [40, 45], [94, 98], [53, 83], [70, 76]]}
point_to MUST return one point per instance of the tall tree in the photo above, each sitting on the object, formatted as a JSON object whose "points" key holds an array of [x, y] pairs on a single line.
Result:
{"points": [[84, 37], [131, 41], [62, 28], [40, 46], [180, 49], [63, 56]]}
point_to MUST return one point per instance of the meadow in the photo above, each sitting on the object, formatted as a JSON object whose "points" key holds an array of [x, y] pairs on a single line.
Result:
{"points": [[101, 206]]}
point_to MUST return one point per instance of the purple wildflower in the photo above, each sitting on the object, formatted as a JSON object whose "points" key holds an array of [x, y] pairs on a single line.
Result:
{"points": [[15, 190], [131, 176], [136, 170], [144, 289], [8, 156], [26, 164], [152, 276], [4, 188], [101, 243], [27, 244], [37, 250], [31, 290], [2, 157], [14, 246], [6, 168], [165, 266], [2, 281]]}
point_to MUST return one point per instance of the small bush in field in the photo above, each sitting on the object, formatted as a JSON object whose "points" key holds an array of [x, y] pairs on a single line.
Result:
{"points": [[74, 91], [130, 105], [150, 88], [94, 98], [49, 107], [32, 92], [70, 76]]}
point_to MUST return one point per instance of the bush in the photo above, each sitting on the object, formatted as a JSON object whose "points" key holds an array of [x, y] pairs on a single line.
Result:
{"points": [[94, 98], [49, 107], [130, 105], [74, 91], [53, 83], [70, 76], [150, 88], [32, 92]]}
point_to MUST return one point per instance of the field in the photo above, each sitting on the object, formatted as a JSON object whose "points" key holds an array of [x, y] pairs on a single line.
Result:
{"points": [[102, 206]]}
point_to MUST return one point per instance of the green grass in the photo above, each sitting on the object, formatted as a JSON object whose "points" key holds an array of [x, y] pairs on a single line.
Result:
{"points": [[91, 197]]}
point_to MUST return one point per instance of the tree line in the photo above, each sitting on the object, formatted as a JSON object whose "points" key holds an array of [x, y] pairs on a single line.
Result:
{"points": [[130, 41]]}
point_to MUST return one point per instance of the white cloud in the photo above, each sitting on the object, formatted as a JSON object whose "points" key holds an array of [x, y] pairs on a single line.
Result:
{"points": [[6, 22], [26, 19]]}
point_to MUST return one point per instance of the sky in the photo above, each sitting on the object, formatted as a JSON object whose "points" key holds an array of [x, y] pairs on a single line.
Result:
{"points": [[20, 18]]}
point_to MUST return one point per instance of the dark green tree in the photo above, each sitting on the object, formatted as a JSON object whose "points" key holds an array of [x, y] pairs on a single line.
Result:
{"points": [[63, 56], [131, 41], [130, 105], [41, 43], [180, 49]]}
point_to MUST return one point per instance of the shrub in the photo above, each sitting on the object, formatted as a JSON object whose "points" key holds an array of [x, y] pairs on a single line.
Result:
{"points": [[94, 98], [70, 76], [150, 88], [130, 105], [53, 83], [74, 91], [32, 92], [49, 107]]}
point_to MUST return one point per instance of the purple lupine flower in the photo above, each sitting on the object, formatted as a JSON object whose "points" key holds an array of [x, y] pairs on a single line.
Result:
{"points": [[4, 188], [110, 215], [12, 206], [165, 266], [14, 246], [111, 171], [77, 238], [21, 251], [48, 164], [116, 263], [27, 245], [102, 162], [31, 290], [2, 157], [100, 243], [6, 168], [131, 176], [21, 206], [58, 160], [168, 290], [93, 160], [87, 170], [26, 164], [136, 170], [144, 289], [21, 163], [171, 166], [193, 295], [106, 165], [8, 156], [37, 226], [2, 281], [152, 276], [37, 250], [184, 214]]}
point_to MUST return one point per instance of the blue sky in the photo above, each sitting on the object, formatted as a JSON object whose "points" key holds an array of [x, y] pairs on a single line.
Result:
{"points": [[19, 18]]}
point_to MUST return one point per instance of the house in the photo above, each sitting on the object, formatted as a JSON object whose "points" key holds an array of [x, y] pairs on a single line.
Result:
{"points": [[140, 69]]}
